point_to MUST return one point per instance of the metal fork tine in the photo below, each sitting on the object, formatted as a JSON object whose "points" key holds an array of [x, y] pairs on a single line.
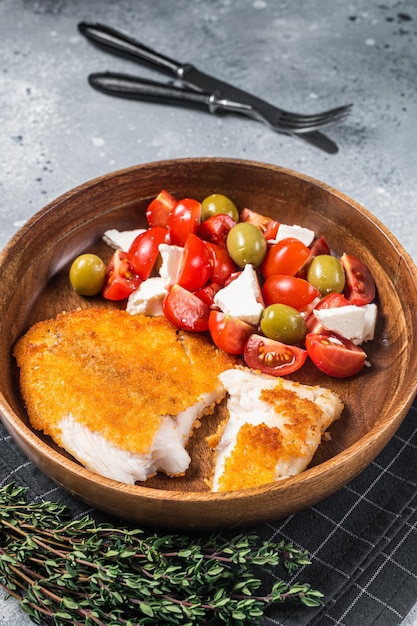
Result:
{"points": [[305, 128], [323, 116], [302, 125]]}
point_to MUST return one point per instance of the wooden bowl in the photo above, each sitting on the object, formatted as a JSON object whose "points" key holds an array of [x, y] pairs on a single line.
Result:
{"points": [[34, 279]]}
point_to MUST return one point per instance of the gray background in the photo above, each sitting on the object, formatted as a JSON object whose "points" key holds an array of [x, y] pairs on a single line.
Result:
{"points": [[308, 55]]}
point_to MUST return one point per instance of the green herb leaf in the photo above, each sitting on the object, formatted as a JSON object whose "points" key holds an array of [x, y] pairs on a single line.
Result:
{"points": [[80, 572]]}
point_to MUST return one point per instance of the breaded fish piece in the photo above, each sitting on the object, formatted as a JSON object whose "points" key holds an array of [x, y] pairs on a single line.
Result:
{"points": [[122, 394], [273, 429]]}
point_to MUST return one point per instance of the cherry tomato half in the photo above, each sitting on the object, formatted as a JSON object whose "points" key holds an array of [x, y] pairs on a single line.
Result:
{"points": [[295, 292], [183, 220], [216, 228], [360, 286], [185, 310], [160, 208], [229, 333], [285, 257], [273, 357], [207, 293], [120, 280], [222, 264], [196, 265], [334, 355], [332, 301], [266, 225], [145, 250]]}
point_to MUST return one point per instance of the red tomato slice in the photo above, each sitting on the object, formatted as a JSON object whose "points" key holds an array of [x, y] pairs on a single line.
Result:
{"points": [[145, 250], [160, 208], [266, 225], [334, 355], [285, 257], [196, 266], [207, 293], [183, 220], [360, 286], [121, 280], [222, 264], [216, 228], [289, 290], [185, 310], [273, 357], [319, 246], [229, 333], [332, 301]]}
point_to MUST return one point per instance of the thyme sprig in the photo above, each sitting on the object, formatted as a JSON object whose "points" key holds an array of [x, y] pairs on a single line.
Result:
{"points": [[81, 572]]}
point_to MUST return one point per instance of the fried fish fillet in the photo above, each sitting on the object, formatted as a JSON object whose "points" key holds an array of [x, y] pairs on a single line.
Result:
{"points": [[122, 394], [273, 429]]}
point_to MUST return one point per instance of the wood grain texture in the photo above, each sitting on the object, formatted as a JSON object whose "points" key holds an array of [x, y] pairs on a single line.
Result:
{"points": [[34, 277]]}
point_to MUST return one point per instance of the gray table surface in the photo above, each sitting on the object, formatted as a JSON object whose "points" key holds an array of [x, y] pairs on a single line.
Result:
{"points": [[56, 132]]}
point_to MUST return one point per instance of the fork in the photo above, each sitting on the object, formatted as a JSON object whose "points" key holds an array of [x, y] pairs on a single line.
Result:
{"points": [[134, 87], [200, 89]]}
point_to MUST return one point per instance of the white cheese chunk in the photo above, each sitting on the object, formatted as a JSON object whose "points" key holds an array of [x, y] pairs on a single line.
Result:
{"points": [[147, 299], [171, 263], [242, 297], [121, 239], [305, 235], [356, 323]]}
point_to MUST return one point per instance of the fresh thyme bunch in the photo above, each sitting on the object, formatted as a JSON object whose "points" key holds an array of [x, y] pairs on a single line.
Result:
{"points": [[84, 573]]}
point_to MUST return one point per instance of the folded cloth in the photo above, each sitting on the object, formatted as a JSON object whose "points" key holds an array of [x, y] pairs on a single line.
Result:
{"points": [[362, 540]]}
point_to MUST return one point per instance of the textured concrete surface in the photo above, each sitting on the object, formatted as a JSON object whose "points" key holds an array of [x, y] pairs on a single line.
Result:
{"points": [[56, 132]]}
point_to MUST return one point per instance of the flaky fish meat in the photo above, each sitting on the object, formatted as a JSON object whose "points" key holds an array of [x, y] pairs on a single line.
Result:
{"points": [[121, 394], [273, 429]]}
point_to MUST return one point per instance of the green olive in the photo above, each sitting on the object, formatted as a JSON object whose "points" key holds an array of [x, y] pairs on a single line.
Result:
{"points": [[216, 204], [283, 323], [87, 274], [326, 273], [246, 244]]}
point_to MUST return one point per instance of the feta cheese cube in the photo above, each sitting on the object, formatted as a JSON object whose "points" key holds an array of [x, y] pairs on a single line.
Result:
{"points": [[121, 239], [356, 323], [242, 297], [171, 263], [297, 232], [147, 299]]}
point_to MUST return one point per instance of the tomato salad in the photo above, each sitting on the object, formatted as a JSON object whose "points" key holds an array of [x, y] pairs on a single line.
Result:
{"points": [[270, 292]]}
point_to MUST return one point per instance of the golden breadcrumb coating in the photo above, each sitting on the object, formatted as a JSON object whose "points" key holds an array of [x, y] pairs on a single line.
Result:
{"points": [[253, 459], [115, 373]]}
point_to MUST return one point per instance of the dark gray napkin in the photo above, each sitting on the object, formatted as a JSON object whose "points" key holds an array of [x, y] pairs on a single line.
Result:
{"points": [[362, 540], [363, 543]]}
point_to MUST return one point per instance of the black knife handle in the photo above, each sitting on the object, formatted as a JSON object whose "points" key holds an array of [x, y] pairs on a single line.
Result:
{"points": [[114, 41], [136, 88]]}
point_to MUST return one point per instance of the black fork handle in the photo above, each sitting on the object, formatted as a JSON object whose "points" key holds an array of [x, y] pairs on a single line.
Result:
{"points": [[118, 43]]}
